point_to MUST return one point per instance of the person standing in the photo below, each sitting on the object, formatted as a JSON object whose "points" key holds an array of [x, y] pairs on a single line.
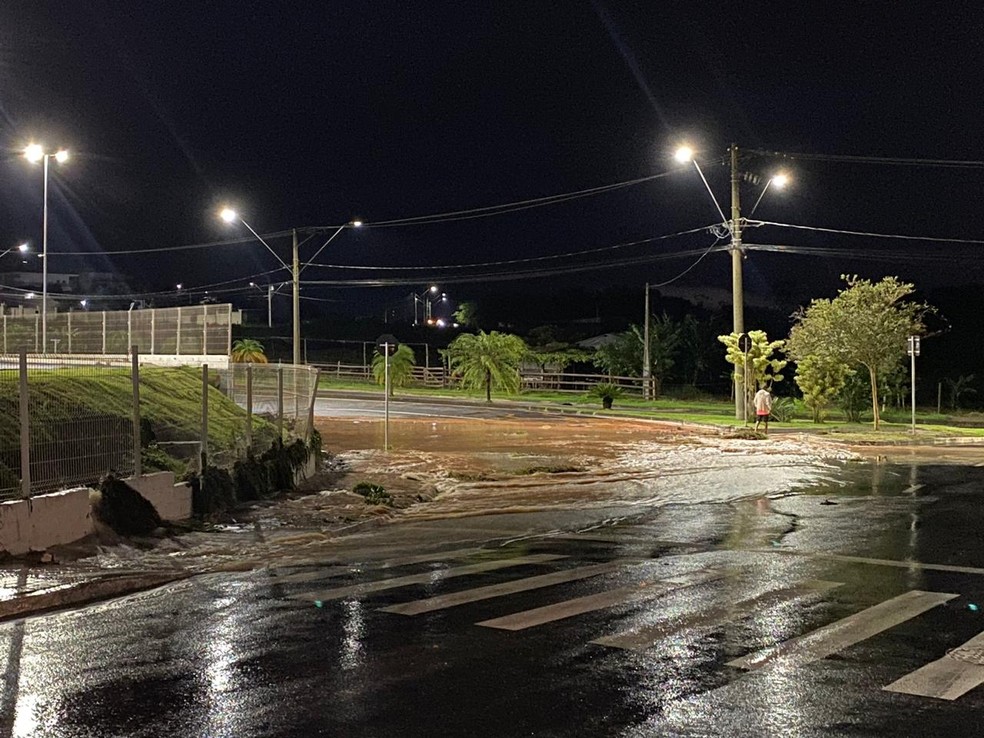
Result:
{"points": [[763, 406]]}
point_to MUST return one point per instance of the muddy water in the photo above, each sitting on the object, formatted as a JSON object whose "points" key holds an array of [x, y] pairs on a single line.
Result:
{"points": [[477, 467]]}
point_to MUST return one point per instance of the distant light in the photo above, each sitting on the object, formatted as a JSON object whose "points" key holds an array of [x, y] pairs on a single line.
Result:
{"points": [[357, 224], [319, 603], [684, 154], [252, 284], [228, 215], [83, 303], [30, 295], [24, 248], [972, 607], [780, 180], [433, 288], [34, 153], [441, 323], [62, 156], [179, 286]]}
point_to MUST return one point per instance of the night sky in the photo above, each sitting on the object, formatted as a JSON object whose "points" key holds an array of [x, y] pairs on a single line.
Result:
{"points": [[314, 113]]}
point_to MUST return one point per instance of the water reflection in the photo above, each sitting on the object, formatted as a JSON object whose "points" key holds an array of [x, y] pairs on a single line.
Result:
{"points": [[351, 655]]}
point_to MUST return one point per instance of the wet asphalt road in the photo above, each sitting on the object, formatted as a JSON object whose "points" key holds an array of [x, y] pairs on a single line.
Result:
{"points": [[660, 623]]}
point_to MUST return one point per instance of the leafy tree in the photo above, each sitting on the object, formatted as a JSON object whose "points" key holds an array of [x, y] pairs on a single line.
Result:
{"points": [[820, 379], [958, 388], [763, 367], [487, 361], [467, 314], [622, 357], [401, 364], [854, 396], [866, 325], [697, 341], [248, 351]]}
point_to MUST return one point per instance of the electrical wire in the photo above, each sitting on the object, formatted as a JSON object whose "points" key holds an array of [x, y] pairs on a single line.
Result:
{"points": [[867, 234], [892, 160]]}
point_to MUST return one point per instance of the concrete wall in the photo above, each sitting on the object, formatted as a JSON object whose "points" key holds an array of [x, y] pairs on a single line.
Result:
{"points": [[172, 501], [40, 522]]}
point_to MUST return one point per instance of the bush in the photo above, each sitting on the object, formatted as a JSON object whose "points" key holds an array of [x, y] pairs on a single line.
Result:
{"points": [[607, 392], [154, 458], [374, 494], [212, 492], [783, 409]]}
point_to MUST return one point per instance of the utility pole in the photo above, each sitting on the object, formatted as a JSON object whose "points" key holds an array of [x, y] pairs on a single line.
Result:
{"points": [[296, 274], [269, 306], [737, 297], [646, 358]]}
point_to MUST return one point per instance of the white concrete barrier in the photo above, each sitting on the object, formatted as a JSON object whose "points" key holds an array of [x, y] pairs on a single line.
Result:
{"points": [[172, 501], [15, 527]]}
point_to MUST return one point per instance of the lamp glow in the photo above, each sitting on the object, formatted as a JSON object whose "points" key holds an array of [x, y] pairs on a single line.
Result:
{"points": [[61, 156], [34, 153], [780, 180], [228, 215], [24, 248], [684, 154], [357, 224]]}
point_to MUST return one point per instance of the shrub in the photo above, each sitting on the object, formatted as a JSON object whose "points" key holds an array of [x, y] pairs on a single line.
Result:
{"points": [[783, 409], [607, 392], [374, 494]]}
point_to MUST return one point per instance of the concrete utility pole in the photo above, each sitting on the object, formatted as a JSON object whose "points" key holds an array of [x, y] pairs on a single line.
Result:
{"points": [[737, 297], [296, 275], [646, 358]]}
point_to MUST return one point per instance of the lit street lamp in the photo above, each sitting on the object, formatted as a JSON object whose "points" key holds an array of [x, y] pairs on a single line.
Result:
{"points": [[231, 216], [35, 153], [734, 226], [23, 248]]}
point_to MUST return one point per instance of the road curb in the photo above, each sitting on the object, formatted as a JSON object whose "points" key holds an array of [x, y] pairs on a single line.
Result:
{"points": [[84, 593]]}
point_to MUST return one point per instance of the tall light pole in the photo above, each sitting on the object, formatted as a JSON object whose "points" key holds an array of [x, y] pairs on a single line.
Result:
{"points": [[35, 153], [230, 216], [734, 224]]}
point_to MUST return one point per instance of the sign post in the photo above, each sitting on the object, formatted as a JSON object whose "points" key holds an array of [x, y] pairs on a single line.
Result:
{"points": [[386, 343], [913, 352], [745, 345]]}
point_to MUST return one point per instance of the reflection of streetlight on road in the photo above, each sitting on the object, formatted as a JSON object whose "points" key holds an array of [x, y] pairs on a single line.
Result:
{"points": [[734, 225], [35, 153], [231, 216]]}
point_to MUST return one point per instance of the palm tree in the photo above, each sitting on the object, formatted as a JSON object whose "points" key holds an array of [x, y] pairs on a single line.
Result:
{"points": [[248, 351], [401, 364], [487, 360]]}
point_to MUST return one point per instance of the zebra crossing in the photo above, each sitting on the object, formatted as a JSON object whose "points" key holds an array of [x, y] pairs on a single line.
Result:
{"points": [[948, 678]]}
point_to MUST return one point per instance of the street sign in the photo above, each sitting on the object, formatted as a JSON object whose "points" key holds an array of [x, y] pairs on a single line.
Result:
{"points": [[913, 349], [744, 343], [387, 341]]}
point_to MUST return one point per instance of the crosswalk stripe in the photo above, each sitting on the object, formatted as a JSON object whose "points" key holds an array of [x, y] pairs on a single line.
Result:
{"points": [[845, 632], [598, 601], [865, 560], [330, 571], [425, 578], [646, 637], [454, 599], [948, 678]]}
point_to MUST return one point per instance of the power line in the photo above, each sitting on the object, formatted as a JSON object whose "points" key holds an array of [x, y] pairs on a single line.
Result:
{"points": [[867, 234], [891, 160]]}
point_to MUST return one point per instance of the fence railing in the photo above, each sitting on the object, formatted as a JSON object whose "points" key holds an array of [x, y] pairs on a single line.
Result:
{"points": [[195, 330], [66, 421]]}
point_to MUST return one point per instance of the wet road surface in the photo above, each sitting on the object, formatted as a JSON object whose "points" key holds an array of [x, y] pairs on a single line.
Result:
{"points": [[852, 609]]}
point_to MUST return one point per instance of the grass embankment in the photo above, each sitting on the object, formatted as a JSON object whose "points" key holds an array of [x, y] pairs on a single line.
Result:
{"points": [[895, 425], [61, 400]]}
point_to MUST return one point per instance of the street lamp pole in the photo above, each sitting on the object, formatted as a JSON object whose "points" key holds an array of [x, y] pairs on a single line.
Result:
{"points": [[296, 278], [646, 356], [737, 291]]}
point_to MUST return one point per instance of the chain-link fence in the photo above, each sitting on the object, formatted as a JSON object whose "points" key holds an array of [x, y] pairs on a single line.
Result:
{"points": [[195, 330], [67, 421]]}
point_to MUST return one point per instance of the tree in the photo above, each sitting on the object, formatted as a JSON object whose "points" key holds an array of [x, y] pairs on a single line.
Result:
{"points": [[248, 351], [487, 361], [958, 388], [820, 379], [622, 357], [467, 314], [401, 364], [866, 325], [697, 340], [763, 367]]}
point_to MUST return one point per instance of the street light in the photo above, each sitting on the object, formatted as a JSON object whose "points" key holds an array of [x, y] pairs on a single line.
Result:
{"points": [[734, 225], [270, 290], [23, 248], [35, 153], [230, 216]]}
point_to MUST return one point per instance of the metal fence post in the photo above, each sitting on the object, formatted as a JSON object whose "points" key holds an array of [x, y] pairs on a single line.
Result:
{"points": [[204, 330], [135, 379], [37, 328], [5, 333], [314, 397], [69, 331], [249, 406], [25, 428], [280, 402], [104, 332], [177, 344], [153, 329], [204, 415]]}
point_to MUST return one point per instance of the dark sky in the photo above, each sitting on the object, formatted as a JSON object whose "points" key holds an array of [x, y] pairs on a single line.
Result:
{"points": [[314, 113]]}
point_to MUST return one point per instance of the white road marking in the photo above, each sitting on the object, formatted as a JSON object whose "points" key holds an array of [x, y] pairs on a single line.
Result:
{"points": [[879, 562], [845, 632], [913, 488], [947, 678], [598, 601], [310, 575], [643, 638], [356, 590], [491, 591]]}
